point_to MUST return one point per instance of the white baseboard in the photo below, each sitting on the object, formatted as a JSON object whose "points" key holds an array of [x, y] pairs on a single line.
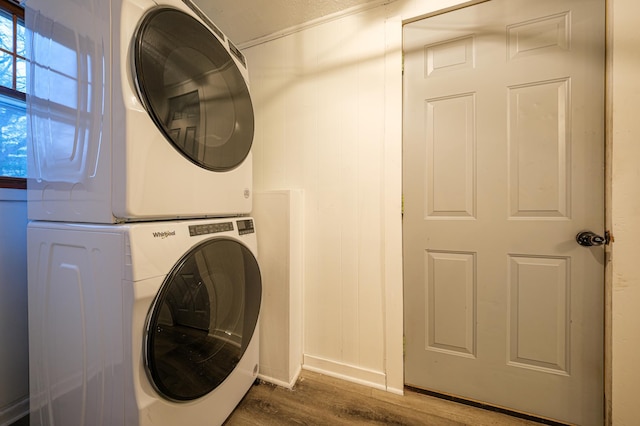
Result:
{"points": [[14, 412], [395, 390], [350, 373], [278, 382]]}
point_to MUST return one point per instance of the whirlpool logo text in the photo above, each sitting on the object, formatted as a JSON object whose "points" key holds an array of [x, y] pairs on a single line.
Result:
{"points": [[164, 234]]}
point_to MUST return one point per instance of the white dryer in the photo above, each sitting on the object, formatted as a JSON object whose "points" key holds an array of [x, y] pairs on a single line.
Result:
{"points": [[142, 324], [138, 110]]}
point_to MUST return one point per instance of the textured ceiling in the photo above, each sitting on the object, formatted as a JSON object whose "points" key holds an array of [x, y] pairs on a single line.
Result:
{"points": [[246, 20]]}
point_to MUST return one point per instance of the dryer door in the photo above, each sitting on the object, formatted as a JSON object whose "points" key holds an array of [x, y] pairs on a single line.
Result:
{"points": [[202, 319], [193, 89]]}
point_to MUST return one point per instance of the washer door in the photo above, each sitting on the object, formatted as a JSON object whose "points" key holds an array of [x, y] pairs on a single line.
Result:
{"points": [[202, 319], [193, 89]]}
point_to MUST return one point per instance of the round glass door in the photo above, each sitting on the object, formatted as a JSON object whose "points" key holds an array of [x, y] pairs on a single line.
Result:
{"points": [[202, 319], [193, 89]]}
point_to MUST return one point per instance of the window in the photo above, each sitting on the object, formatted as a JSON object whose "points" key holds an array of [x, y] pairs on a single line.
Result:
{"points": [[13, 117]]}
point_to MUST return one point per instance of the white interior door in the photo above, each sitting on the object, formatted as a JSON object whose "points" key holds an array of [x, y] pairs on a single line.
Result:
{"points": [[503, 166]]}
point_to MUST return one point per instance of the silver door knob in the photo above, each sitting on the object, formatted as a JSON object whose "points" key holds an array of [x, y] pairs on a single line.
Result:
{"points": [[589, 239]]}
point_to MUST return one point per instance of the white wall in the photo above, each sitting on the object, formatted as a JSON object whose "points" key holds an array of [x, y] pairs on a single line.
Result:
{"points": [[328, 104], [317, 96], [14, 342]]}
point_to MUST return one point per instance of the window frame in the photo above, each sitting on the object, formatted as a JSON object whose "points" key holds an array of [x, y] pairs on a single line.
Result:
{"points": [[17, 12]]}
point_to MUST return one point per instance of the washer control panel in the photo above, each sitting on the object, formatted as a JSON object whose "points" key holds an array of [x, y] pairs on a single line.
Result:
{"points": [[245, 226], [210, 228]]}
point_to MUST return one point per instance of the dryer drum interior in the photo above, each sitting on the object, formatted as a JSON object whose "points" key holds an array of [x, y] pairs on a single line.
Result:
{"points": [[193, 89], [202, 319]]}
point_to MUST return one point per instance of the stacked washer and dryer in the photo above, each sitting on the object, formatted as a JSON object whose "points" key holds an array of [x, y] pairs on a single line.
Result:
{"points": [[144, 288]]}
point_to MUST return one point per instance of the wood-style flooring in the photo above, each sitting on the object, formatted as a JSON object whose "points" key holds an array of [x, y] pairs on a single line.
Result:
{"points": [[321, 400]]}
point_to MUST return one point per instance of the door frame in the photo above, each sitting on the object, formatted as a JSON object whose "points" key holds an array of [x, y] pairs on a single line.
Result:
{"points": [[393, 141]]}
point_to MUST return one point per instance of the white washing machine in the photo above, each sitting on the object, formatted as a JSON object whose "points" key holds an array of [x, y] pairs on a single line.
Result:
{"points": [[137, 110], [142, 324]]}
